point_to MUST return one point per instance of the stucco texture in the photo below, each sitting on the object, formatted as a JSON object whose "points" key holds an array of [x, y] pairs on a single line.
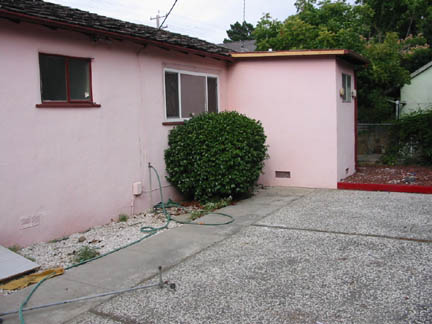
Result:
{"points": [[72, 168], [309, 132], [63, 170]]}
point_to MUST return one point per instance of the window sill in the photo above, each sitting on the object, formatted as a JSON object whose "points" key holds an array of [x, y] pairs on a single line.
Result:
{"points": [[68, 105], [173, 123]]}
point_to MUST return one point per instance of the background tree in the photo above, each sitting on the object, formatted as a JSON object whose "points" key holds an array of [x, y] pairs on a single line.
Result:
{"points": [[405, 17], [239, 31]]}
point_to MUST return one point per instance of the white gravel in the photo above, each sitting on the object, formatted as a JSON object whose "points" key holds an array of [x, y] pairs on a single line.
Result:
{"points": [[105, 238]]}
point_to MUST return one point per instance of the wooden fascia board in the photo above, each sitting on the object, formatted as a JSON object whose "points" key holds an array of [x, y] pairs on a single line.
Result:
{"points": [[302, 53]]}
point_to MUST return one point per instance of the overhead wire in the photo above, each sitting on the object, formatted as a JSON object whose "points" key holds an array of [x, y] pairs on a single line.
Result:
{"points": [[169, 12]]}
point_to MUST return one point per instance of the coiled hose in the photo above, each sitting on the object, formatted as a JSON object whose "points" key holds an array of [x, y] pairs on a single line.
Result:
{"points": [[148, 230]]}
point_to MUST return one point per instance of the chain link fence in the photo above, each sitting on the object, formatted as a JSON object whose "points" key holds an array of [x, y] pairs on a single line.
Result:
{"points": [[372, 141]]}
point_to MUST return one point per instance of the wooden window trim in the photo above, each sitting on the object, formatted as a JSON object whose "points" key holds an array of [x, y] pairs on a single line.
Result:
{"points": [[173, 123], [69, 103], [58, 104]]}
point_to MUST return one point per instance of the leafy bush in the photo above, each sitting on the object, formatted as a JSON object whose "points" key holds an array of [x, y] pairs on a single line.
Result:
{"points": [[216, 155], [411, 139]]}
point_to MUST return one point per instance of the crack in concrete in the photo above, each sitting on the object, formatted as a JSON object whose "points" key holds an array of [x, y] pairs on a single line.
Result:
{"points": [[344, 233], [116, 318]]}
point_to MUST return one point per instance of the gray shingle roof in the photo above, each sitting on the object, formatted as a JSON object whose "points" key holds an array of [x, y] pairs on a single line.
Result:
{"points": [[241, 46], [27, 9]]}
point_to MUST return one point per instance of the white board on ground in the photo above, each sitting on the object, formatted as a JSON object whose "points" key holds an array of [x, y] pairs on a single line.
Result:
{"points": [[12, 264]]}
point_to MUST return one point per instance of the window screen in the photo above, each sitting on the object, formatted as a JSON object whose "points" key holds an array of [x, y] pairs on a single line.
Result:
{"points": [[79, 79], [171, 94], [53, 77], [346, 84], [193, 95], [189, 94], [212, 94]]}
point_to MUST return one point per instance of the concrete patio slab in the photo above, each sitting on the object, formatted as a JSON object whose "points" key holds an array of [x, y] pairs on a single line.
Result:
{"points": [[138, 263], [291, 256], [267, 275], [397, 215]]}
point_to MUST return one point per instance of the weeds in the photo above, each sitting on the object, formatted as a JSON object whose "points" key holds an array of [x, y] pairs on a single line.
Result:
{"points": [[29, 258], [85, 253], [64, 238], [210, 206], [123, 218], [15, 248]]}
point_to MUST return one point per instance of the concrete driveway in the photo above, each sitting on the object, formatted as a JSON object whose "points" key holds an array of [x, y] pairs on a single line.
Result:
{"points": [[293, 256]]}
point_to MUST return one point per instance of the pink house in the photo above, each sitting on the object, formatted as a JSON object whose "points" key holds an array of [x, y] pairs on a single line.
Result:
{"points": [[88, 101]]}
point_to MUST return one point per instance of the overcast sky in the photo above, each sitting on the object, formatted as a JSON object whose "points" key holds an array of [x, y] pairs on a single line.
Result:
{"points": [[205, 19]]}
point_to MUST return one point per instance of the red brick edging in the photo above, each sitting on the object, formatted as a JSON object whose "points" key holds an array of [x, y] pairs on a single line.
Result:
{"points": [[385, 187]]}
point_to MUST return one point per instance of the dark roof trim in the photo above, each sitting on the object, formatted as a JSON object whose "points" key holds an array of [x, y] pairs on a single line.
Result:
{"points": [[347, 55], [141, 40], [421, 70]]}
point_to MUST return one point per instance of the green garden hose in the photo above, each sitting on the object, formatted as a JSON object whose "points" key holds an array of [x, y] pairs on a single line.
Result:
{"points": [[149, 230]]}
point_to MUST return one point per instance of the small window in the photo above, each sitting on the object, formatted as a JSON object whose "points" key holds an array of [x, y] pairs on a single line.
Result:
{"points": [[65, 79], [346, 85], [189, 94]]}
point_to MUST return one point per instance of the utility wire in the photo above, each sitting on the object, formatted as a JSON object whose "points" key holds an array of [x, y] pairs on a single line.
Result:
{"points": [[166, 16]]}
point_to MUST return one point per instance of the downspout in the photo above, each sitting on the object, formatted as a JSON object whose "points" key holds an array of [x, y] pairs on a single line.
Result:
{"points": [[355, 122]]}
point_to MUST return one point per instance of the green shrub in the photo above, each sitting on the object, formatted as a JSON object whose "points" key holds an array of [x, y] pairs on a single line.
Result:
{"points": [[216, 155], [411, 139]]}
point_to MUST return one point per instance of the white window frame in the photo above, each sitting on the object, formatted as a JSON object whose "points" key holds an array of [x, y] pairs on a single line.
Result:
{"points": [[347, 97], [179, 73]]}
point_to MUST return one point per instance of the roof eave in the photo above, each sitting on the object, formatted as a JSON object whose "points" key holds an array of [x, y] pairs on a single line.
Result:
{"points": [[79, 28], [421, 70], [350, 56]]}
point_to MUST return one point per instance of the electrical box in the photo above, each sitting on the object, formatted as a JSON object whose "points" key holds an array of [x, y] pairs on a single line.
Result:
{"points": [[137, 188]]}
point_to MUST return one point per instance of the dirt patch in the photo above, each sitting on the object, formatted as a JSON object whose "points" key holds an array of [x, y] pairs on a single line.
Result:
{"points": [[403, 175]]}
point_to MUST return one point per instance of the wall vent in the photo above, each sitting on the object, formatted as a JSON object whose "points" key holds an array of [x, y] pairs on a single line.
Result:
{"points": [[283, 174]]}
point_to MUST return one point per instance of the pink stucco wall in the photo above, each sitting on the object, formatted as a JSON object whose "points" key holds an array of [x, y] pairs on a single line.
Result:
{"points": [[73, 168], [345, 126], [295, 99], [68, 169]]}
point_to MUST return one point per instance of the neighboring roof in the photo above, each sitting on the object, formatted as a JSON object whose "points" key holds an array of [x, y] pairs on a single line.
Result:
{"points": [[347, 55], [54, 15], [241, 46], [421, 70]]}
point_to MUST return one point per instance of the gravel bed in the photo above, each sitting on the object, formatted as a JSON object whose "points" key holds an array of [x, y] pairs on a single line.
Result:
{"points": [[403, 175], [105, 238]]}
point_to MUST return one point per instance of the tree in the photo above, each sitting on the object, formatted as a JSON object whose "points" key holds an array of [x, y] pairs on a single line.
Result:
{"points": [[266, 33], [405, 17], [239, 32]]}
